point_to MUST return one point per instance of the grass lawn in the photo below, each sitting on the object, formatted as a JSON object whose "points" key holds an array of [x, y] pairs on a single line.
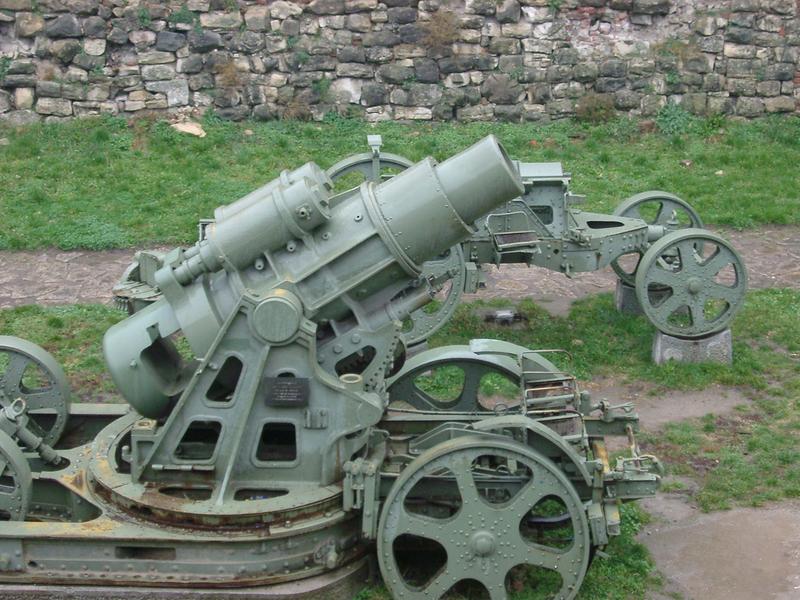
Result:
{"points": [[105, 183]]}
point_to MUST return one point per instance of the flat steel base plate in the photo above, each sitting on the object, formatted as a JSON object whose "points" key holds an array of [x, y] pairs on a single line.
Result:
{"points": [[342, 584]]}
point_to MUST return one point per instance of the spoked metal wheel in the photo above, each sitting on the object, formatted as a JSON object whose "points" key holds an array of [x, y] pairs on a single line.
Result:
{"points": [[369, 167], [654, 208], [31, 373], [423, 323], [15, 481], [466, 514], [691, 283], [453, 378]]}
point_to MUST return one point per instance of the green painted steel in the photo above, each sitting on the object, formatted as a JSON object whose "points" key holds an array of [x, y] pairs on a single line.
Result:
{"points": [[276, 431], [691, 282]]}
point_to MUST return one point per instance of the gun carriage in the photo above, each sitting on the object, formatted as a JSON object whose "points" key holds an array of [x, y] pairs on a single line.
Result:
{"points": [[275, 431]]}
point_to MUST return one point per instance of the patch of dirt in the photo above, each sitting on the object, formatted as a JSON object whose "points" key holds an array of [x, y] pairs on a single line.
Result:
{"points": [[739, 554], [658, 408]]}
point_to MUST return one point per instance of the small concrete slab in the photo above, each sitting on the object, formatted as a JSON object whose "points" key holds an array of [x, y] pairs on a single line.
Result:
{"points": [[717, 347]]}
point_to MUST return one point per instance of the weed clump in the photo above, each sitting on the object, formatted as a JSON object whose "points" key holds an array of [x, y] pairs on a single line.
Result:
{"points": [[595, 108]]}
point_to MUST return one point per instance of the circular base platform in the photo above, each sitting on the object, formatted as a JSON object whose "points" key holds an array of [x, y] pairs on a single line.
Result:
{"points": [[342, 584]]}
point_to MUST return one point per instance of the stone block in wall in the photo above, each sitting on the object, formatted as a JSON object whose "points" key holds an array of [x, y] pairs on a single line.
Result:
{"points": [[351, 6], [651, 7], [612, 67], [781, 7], [561, 108], [456, 64], [744, 5], [354, 70], [28, 24], [204, 41], [50, 89], [221, 20], [16, 4], [59, 107], [401, 14], [23, 98], [74, 91], [712, 44], [95, 27], [64, 26], [412, 33], [176, 91], [413, 113], [627, 99], [426, 70], [359, 22], [402, 51], [749, 107], [20, 80], [768, 88], [605, 85], [379, 55], [735, 67], [247, 42], [504, 46], [780, 71], [200, 81], [88, 62], [382, 38], [191, 64], [117, 36], [501, 89], [5, 102], [158, 72], [507, 11], [142, 38], [94, 47], [696, 104], [780, 104], [480, 7], [169, 41], [510, 113], [511, 64], [326, 7], [350, 54], [394, 73], [585, 72], [565, 56], [559, 73], [373, 94], [738, 35], [98, 92], [477, 112], [731, 50], [719, 104], [698, 63], [713, 82], [705, 25], [155, 57], [521, 29]]}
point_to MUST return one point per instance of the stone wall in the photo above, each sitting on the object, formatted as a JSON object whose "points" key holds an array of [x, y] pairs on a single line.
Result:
{"points": [[516, 60]]}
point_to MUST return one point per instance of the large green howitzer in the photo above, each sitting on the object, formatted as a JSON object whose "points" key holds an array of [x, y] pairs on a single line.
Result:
{"points": [[276, 433], [688, 281]]}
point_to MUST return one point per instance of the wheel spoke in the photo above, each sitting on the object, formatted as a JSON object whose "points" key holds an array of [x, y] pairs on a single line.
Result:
{"points": [[687, 250], [467, 486], [437, 587], [12, 377], [418, 526], [669, 306], [667, 278], [716, 263], [731, 295], [526, 499], [48, 398], [697, 311]]}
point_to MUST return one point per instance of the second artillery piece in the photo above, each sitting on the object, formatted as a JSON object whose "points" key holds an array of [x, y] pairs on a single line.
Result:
{"points": [[688, 281], [274, 434]]}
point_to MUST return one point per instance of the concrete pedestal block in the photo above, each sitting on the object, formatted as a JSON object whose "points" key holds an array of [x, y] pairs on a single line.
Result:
{"points": [[625, 299], [717, 347]]}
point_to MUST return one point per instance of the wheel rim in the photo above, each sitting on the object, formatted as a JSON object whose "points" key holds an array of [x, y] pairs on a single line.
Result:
{"points": [[655, 208], [15, 481], [364, 165], [31, 373], [423, 323], [483, 541], [691, 283]]}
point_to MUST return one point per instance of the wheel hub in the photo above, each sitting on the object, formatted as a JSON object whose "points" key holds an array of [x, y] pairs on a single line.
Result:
{"points": [[695, 285], [482, 544]]}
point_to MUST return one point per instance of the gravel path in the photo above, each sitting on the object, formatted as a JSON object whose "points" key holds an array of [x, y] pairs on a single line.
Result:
{"points": [[772, 256]]}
